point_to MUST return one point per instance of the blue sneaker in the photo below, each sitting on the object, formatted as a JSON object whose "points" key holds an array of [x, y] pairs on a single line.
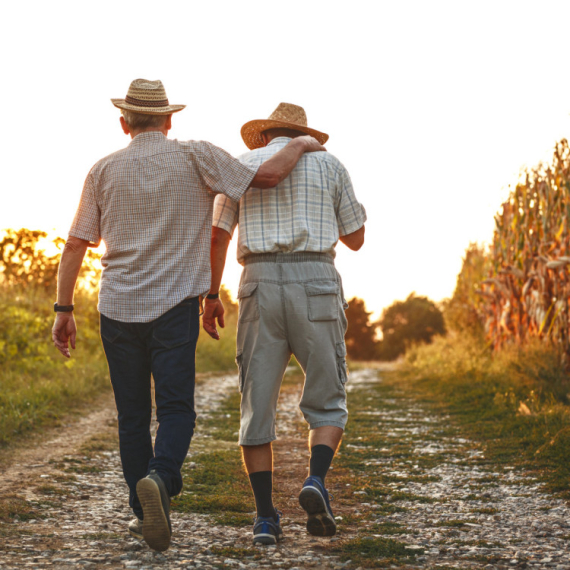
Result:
{"points": [[314, 499], [266, 530]]}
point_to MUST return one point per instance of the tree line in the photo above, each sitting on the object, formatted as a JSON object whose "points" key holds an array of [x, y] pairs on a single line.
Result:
{"points": [[402, 325]]}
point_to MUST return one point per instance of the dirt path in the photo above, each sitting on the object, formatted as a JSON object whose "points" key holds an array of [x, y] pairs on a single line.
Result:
{"points": [[37, 456], [74, 487], [455, 512]]}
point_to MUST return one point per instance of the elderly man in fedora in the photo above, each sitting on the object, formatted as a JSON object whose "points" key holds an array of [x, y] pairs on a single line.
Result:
{"points": [[151, 203], [290, 302]]}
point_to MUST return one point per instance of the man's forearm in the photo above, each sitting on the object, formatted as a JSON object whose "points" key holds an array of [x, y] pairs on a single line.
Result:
{"points": [[71, 260], [279, 166], [220, 242]]}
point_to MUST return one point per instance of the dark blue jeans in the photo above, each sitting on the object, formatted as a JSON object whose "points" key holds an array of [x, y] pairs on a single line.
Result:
{"points": [[165, 348]]}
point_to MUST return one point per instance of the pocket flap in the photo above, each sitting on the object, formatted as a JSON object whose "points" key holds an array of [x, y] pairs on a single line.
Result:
{"points": [[246, 290], [341, 349], [322, 288]]}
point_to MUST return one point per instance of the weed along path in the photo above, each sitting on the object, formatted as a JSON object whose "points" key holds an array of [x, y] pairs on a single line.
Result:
{"points": [[409, 492]]}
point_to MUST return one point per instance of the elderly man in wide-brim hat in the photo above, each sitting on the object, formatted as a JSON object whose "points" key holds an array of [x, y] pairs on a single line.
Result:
{"points": [[151, 203], [290, 302]]}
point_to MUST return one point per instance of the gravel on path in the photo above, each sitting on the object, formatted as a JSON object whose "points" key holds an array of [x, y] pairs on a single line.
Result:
{"points": [[479, 514]]}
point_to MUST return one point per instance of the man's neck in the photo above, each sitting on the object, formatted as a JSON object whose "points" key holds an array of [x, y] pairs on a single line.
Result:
{"points": [[164, 131]]}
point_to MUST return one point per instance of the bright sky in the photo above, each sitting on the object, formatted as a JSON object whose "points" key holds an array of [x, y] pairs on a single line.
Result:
{"points": [[433, 107]]}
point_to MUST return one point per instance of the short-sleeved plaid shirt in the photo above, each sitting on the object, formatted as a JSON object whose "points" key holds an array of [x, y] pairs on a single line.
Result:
{"points": [[151, 203], [308, 211]]}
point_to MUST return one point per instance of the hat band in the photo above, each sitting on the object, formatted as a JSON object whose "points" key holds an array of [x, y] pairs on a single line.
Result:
{"points": [[146, 103]]}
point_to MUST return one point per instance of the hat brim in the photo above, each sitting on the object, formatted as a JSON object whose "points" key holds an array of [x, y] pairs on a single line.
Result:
{"points": [[251, 131], [168, 110]]}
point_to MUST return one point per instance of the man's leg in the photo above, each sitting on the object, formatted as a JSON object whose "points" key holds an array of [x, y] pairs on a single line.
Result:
{"points": [[316, 334], [173, 347], [129, 367], [323, 444], [175, 335], [258, 461]]}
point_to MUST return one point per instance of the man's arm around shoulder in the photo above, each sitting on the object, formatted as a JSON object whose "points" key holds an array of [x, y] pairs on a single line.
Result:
{"points": [[279, 166]]}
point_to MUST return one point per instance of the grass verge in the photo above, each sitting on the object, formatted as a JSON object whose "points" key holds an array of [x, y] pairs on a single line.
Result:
{"points": [[38, 385], [515, 402], [214, 480], [215, 484]]}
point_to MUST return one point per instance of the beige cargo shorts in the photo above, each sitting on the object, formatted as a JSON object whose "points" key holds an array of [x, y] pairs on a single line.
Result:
{"points": [[290, 304]]}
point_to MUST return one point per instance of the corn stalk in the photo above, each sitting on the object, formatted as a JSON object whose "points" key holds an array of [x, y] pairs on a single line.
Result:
{"points": [[528, 286]]}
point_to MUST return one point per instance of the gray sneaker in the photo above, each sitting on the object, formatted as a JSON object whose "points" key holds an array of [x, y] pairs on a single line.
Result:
{"points": [[155, 503], [135, 528]]}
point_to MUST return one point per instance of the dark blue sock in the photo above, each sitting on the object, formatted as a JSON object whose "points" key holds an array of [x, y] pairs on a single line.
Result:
{"points": [[262, 486], [321, 459]]}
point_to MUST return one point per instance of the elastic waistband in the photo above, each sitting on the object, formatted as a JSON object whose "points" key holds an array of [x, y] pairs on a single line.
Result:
{"points": [[296, 257]]}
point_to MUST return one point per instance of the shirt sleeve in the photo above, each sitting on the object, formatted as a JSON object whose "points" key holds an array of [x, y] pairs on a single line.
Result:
{"points": [[223, 173], [87, 222], [226, 214], [350, 214]]}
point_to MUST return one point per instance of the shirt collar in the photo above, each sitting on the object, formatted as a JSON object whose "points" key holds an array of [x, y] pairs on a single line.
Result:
{"points": [[279, 140]]}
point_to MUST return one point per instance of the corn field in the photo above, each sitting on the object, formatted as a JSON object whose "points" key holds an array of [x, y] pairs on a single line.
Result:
{"points": [[527, 288]]}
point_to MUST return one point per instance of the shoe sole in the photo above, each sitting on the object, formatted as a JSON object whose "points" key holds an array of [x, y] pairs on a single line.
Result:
{"points": [[156, 531], [264, 539], [319, 523]]}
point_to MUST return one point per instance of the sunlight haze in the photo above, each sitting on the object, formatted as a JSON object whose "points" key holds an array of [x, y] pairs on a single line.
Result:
{"points": [[433, 108]]}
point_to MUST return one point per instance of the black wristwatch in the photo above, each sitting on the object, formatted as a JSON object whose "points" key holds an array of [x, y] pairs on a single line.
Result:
{"points": [[212, 296], [62, 308]]}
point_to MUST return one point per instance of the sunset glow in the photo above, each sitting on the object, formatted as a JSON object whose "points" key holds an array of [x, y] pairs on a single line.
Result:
{"points": [[433, 108]]}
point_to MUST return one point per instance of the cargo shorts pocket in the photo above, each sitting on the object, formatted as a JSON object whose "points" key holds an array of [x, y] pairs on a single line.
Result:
{"points": [[341, 363], [239, 362], [322, 299], [248, 303]]}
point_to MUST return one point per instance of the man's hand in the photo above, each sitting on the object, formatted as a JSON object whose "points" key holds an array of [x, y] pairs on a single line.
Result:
{"points": [[311, 143], [213, 309], [64, 332]]}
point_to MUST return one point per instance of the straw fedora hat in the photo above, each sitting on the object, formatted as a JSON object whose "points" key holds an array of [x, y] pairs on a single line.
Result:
{"points": [[147, 97], [286, 116]]}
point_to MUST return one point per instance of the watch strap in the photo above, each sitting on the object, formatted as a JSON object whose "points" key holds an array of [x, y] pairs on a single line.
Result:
{"points": [[63, 308]]}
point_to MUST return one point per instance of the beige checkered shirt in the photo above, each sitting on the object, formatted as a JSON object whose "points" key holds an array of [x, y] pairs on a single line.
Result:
{"points": [[308, 211], [151, 203]]}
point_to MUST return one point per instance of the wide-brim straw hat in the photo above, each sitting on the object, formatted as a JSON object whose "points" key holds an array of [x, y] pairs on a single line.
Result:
{"points": [[147, 97], [286, 116]]}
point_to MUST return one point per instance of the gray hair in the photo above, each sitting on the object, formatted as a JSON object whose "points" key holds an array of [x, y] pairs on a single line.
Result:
{"points": [[140, 121]]}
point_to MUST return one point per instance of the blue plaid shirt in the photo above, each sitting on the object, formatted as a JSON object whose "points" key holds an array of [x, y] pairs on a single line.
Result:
{"points": [[308, 211]]}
